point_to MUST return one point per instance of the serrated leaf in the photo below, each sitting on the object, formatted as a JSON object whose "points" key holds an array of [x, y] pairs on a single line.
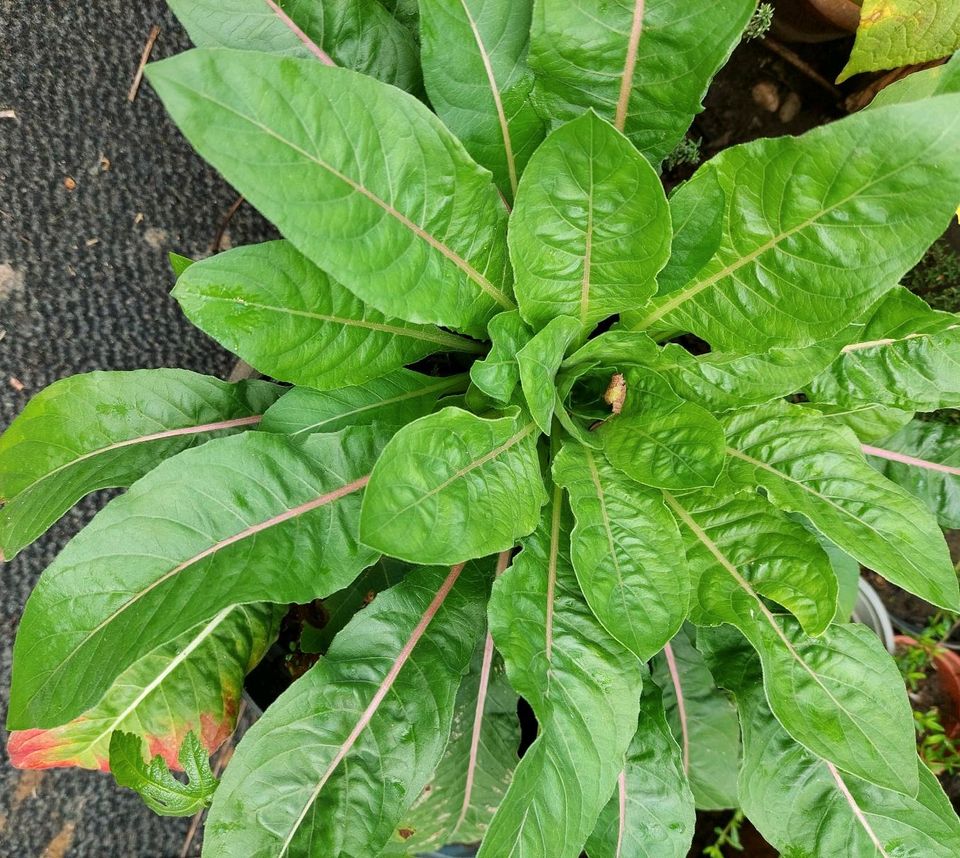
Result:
{"points": [[895, 33], [626, 550], [432, 224], [498, 374], [454, 485], [907, 357], [790, 271], [924, 458], [538, 362], [643, 66], [159, 789], [662, 440], [392, 400], [584, 688], [359, 735], [651, 815], [360, 35], [590, 228], [810, 466], [253, 518], [836, 694], [192, 684], [803, 805], [274, 308], [470, 781], [105, 430], [475, 70], [703, 721]]}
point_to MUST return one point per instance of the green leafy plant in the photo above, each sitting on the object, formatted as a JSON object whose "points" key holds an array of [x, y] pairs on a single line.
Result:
{"points": [[670, 500]]}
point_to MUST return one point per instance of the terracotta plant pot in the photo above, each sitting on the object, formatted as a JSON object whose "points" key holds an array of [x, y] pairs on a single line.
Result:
{"points": [[815, 20], [947, 664]]}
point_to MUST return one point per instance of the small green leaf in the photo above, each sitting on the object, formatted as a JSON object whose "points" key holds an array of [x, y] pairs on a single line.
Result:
{"points": [[590, 229], [105, 430], [583, 686], [617, 348], [178, 263], [360, 35], [252, 518], [159, 789], [867, 422], [498, 374], [895, 33], [921, 84], [644, 66], [475, 69], [651, 815], [924, 458], [194, 683], [790, 270], [452, 486], [538, 363], [626, 551], [392, 400], [662, 440], [812, 467], [703, 721], [340, 157], [360, 734], [907, 357], [274, 308]]}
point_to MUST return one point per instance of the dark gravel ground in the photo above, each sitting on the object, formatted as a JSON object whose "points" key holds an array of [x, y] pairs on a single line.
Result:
{"points": [[83, 286]]}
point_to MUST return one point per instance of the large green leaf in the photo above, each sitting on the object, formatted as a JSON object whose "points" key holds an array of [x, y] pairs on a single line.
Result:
{"points": [[643, 66], [584, 688], [360, 35], [907, 357], [273, 307], [590, 229], [392, 400], [107, 429], [790, 270], [538, 362], [836, 694], [452, 486], [811, 466], [626, 551], [475, 69], [703, 721], [895, 33], [357, 737], [498, 374], [662, 440], [193, 684], [160, 790], [253, 518], [652, 813], [334, 158], [470, 781], [803, 805], [924, 458]]}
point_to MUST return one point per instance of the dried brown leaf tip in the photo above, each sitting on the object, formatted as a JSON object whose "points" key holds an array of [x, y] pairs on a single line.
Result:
{"points": [[616, 392]]}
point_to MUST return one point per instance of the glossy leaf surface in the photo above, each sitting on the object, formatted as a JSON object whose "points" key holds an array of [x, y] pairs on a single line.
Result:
{"points": [[254, 518], [584, 688], [643, 66], [107, 429], [431, 221], [498, 374], [538, 362], [274, 308], [192, 684], [474, 63], [590, 228], [811, 467], [452, 486], [788, 271], [358, 736], [626, 550]]}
